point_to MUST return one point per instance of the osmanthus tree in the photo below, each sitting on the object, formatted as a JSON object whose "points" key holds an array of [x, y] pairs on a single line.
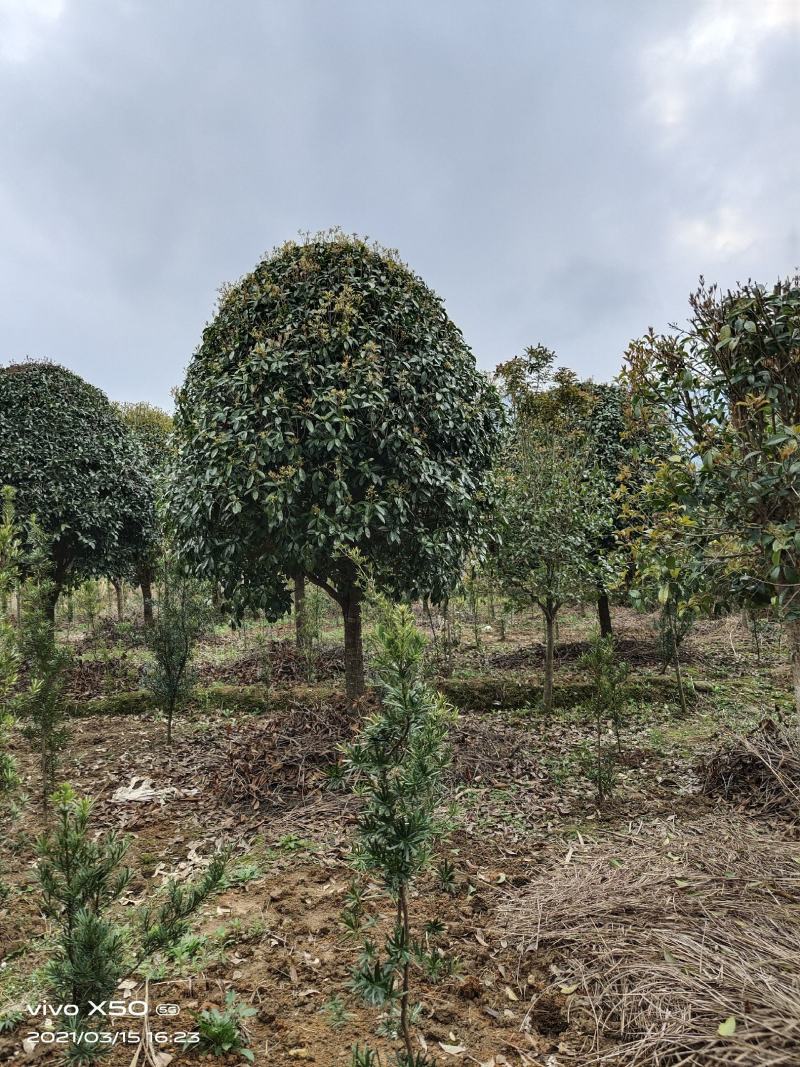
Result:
{"points": [[75, 467], [554, 502], [553, 510], [332, 406], [152, 428], [730, 384], [674, 565], [627, 444], [616, 446]]}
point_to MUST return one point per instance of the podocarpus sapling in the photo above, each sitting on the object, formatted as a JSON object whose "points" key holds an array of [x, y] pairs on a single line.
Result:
{"points": [[82, 878], [397, 764], [182, 617], [41, 705]]}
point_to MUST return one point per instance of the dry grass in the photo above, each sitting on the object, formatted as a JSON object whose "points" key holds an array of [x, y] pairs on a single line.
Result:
{"points": [[667, 934]]}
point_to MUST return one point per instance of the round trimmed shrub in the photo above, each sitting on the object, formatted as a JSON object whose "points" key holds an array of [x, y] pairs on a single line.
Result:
{"points": [[332, 406]]}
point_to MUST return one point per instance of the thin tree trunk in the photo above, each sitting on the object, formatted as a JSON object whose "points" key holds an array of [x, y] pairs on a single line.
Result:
{"points": [[604, 614], [300, 619], [678, 671], [119, 590], [549, 623], [146, 583], [792, 627], [402, 908], [751, 622], [216, 597], [50, 604], [473, 596], [353, 648]]}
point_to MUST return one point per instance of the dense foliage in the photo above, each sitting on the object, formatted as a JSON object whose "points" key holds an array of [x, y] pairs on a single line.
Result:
{"points": [[152, 428], [730, 384], [332, 406], [75, 468], [80, 880]]}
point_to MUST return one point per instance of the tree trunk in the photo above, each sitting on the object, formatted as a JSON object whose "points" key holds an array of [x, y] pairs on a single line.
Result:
{"points": [[792, 627], [146, 583], [604, 614], [549, 623], [300, 620], [50, 604], [599, 756], [353, 648], [678, 671], [216, 597], [403, 922], [119, 590]]}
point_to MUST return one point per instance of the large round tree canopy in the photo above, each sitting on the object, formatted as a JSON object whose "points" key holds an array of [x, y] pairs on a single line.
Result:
{"points": [[332, 405], [75, 467]]}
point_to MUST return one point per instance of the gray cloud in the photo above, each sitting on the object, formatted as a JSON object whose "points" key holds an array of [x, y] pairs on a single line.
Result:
{"points": [[558, 173]]}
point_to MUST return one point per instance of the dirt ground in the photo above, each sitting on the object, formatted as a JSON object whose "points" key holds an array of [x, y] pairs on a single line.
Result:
{"points": [[253, 775]]}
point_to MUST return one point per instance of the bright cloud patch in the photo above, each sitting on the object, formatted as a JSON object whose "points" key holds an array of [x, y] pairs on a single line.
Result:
{"points": [[723, 43], [24, 25], [723, 235]]}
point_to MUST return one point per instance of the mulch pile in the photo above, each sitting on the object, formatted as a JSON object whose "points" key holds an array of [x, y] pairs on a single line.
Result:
{"points": [[291, 752], [279, 661], [86, 679], [634, 650], [489, 750], [759, 771], [270, 758]]}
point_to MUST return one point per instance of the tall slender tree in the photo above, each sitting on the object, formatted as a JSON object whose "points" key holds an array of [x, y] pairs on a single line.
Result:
{"points": [[555, 506]]}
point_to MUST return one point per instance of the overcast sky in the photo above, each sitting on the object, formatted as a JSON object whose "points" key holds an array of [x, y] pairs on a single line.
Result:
{"points": [[560, 172]]}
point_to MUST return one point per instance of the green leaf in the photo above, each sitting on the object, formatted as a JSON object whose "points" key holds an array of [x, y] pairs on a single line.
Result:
{"points": [[727, 1028]]}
